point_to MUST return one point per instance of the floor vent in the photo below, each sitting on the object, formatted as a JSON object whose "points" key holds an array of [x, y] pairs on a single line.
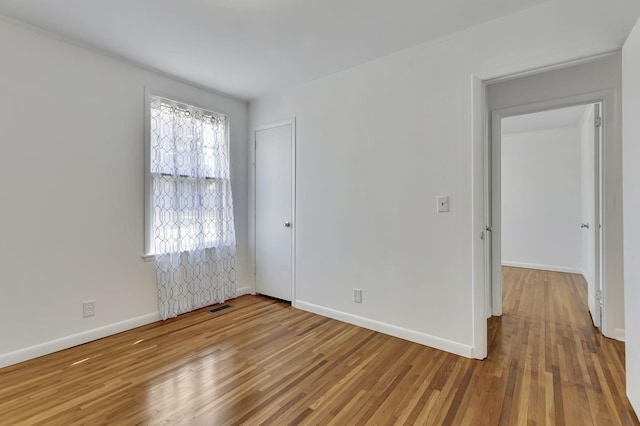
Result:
{"points": [[219, 308]]}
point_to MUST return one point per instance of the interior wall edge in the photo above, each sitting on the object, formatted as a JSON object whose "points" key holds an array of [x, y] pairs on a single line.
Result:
{"points": [[552, 67], [103, 52], [553, 268], [435, 342], [619, 334], [241, 291], [70, 341]]}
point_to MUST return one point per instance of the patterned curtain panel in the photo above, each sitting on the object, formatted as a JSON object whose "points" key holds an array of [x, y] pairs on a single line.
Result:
{"points": [[193, 232]]}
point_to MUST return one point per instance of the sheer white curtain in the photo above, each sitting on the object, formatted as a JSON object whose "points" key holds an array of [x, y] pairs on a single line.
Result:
{"points": [[192, 233]]}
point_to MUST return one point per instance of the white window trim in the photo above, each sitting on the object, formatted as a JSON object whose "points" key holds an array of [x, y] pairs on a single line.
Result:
{"points": [[149, 93]]}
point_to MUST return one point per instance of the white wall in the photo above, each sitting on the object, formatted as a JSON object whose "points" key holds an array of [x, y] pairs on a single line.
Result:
{"points": [[584, 83], [72, 193], [541, 202], [376, 144], [631, 137], [587, 190]]}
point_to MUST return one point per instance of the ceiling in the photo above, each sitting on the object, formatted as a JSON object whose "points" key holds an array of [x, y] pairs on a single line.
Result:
{"points": [[246, 48], [249, 47], [552, 119]]}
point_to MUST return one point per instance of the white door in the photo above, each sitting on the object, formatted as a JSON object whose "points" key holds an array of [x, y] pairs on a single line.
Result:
{"points": [[274, 215], [494, 214], [591, 182], [596, 232]]}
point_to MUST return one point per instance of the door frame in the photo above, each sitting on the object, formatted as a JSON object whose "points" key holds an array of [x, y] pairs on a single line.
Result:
{"points": [[492, 148], [281, 123]]}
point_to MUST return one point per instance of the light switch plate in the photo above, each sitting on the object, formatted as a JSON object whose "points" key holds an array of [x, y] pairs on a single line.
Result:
{"points": [[443, 203]]}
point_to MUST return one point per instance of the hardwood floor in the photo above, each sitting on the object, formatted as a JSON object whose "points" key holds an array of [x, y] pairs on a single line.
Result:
{"points": [[262, 362]]}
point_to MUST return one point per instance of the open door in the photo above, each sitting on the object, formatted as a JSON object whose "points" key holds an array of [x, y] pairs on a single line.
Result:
{"points": [[493, 232], [596, 307]]}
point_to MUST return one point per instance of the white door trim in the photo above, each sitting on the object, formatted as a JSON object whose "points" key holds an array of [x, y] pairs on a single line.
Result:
{"points": [[493, 146], [286, 122]]}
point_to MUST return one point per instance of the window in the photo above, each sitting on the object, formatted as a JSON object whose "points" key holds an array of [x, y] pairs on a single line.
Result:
{"points": [[190, 190]]}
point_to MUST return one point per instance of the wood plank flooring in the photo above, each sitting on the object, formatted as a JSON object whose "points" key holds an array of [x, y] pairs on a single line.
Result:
{"points": [[263, 362]]}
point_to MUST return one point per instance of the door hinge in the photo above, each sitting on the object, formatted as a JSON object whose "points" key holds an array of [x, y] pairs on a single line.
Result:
{"points": [[599, 296], [598, 122]]}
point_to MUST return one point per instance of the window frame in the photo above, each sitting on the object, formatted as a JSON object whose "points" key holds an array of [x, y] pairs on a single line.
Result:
{"points": [[184, 101]]}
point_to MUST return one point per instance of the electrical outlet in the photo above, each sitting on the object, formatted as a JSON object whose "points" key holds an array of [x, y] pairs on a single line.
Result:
{"points": [[357, 295], [88, 308]]}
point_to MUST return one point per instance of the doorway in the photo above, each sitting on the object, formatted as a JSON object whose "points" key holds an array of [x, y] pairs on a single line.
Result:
{"points": [[550, 194], [596, 80], [275, 210]]}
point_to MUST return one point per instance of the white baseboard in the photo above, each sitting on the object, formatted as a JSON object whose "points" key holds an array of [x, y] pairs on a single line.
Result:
{"points": [[403, 333], [85, 337], [553, 268], [75, 339], [618, 334], [241, 291]]}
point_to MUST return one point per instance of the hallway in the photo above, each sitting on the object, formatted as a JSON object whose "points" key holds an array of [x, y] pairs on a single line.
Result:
{"points": [[561, 370]]}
